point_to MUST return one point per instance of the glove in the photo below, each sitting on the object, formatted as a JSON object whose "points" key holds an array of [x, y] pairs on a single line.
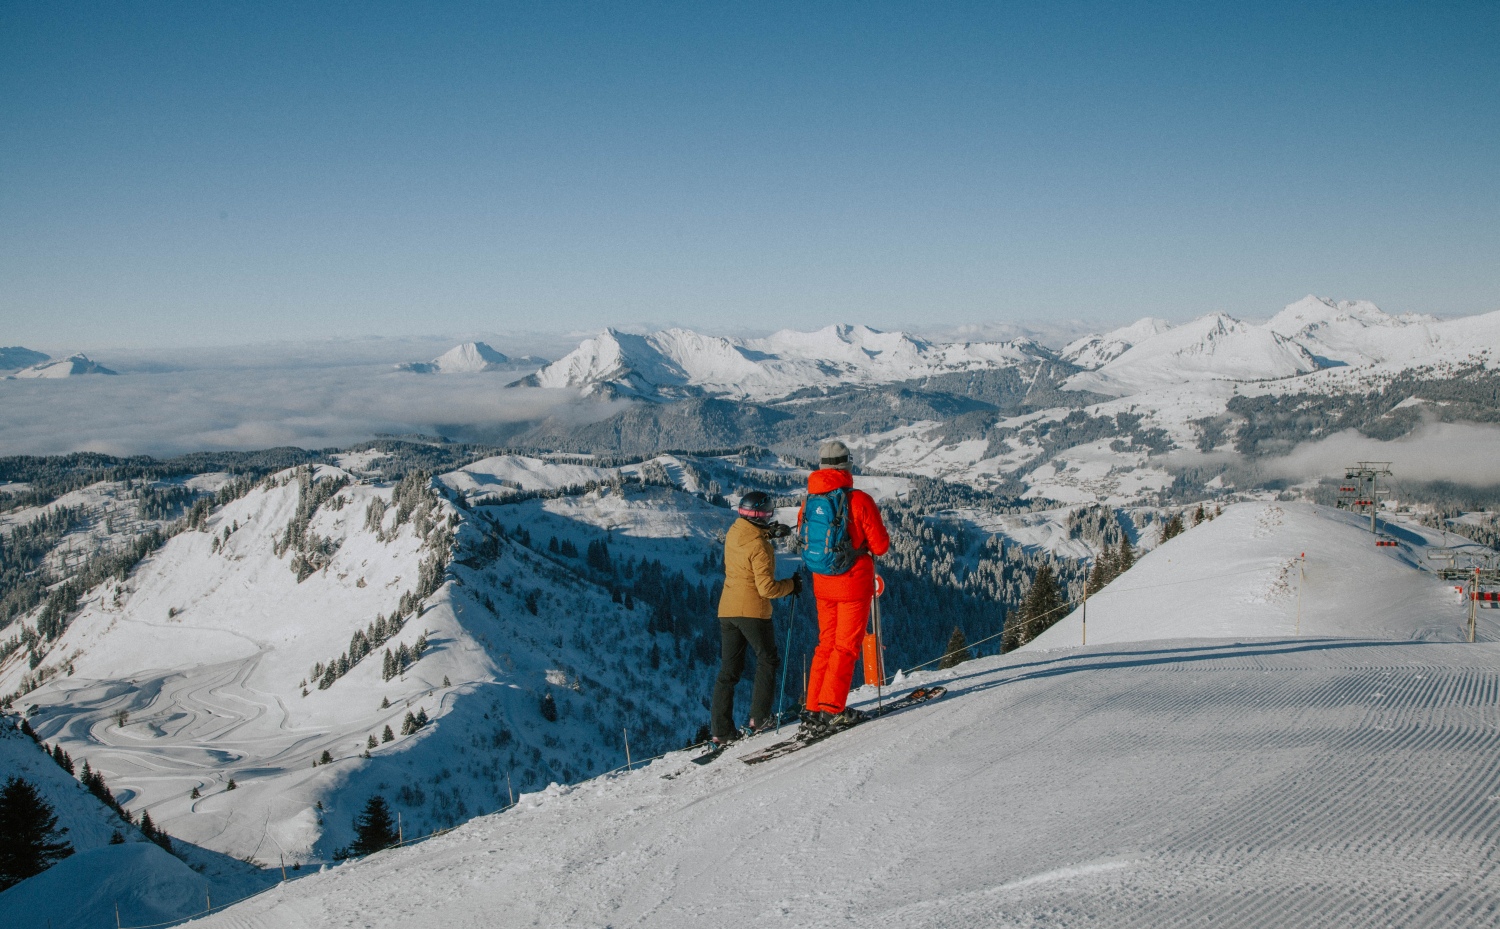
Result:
{"points": [[778, 531], [797, 584]]}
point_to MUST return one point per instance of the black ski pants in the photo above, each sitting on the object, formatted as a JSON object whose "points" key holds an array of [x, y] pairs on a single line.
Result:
{"points": [[735, 633]]}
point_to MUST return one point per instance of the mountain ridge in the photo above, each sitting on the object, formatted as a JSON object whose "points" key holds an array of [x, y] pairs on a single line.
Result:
{"points": [[675, 363], [75, 365], [1306, 336]]}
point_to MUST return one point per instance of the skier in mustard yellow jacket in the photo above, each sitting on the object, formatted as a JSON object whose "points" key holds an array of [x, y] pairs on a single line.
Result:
{"points": [[750, 585]]}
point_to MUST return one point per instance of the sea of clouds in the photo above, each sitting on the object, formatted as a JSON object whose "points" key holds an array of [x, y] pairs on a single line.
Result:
{"points": [[309, 395]]}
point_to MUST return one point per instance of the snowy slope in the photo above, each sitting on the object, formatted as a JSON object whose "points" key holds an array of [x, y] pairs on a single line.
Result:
{"points": [[89, 822], [138, 884], [72, 366], [504, 473], [676, 362], [206, 647], [1095, 351], [82, 889], [1237, 576], [468, 358], [1259, 780]]}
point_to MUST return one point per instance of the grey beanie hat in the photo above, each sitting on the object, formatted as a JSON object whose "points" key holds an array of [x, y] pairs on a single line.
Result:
{"points": [[834, 454]]}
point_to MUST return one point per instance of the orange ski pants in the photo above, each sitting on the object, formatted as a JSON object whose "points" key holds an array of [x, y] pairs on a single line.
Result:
{"points": [[841, 629]]}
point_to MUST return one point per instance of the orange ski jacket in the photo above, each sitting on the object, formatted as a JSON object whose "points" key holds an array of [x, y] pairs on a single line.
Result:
{"points": [[866, 531]]}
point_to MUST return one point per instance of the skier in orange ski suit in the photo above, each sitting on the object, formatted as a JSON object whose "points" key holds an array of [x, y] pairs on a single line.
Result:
{"points": [[843, 599]]}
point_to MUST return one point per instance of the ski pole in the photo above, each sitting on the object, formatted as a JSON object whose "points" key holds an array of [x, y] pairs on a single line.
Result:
{"points": [[879, 659], [781, 697]]}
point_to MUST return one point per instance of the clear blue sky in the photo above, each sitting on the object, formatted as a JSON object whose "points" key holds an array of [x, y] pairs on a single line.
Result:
{"points": [[222, 172]]}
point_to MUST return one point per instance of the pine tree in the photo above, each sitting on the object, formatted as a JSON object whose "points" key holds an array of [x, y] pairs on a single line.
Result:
{"points": [[1172, 528], [326, 757], [549, 707], [231, 785], [1041, 608], [150, 830], [374, 828], [370, 742], [63, 759], [196, 794], [409, 724], [1101, 574], [1198, 515], [1124, 557], [387, 735], [94, 783], [30, 841], [957, 650]]}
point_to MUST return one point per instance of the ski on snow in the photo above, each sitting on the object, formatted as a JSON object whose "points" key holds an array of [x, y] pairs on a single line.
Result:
{"points": [[800, 741], [712, 751]]}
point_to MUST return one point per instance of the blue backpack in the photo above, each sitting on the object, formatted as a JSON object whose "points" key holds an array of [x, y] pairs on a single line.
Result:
{"points": [[826, 547]]}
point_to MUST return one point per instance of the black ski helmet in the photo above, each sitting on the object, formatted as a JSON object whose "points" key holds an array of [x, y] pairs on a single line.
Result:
{"points": [[756, 507]]}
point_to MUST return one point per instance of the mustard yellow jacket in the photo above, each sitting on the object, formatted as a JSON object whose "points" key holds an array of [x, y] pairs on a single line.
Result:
{"points": [[750, 573]]}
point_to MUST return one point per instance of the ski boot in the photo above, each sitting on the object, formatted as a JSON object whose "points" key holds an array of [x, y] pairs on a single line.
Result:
{"points": [[757, 726], [849, 716], [814, 723], [719, 742]]}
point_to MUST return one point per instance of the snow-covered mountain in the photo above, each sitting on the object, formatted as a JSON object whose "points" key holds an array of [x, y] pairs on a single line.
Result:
{"points": [[680, 362], [1147, 355], [72, 366], [1359, 333], [1307, 335], [1213, 347], [14, 356], [1095, 351], [251, 655], [468, 358], [1183, 770]]}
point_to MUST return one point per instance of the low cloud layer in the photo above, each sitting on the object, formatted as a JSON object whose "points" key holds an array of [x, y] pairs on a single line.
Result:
{"points": [[1463, 453], [211, 407]]}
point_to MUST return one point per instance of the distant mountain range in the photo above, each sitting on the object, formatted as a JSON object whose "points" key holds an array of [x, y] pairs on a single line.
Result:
{"points": [[1306, 336], [469, 358], [679, 362]]}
